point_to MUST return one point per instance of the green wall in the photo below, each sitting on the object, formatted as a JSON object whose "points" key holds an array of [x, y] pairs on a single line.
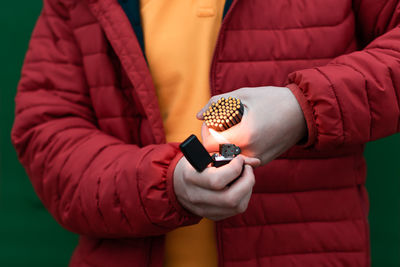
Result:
{"points": [[30, 237]]}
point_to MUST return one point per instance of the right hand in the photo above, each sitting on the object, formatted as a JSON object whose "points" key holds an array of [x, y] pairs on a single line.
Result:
{"points": [[207, 194]]}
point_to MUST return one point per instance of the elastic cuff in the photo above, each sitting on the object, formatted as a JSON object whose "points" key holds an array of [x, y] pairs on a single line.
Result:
{"points": [[306, 107], [189, 217]]}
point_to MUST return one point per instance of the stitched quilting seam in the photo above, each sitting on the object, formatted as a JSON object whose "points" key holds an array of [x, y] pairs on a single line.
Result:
{"points": [[366, 92], [274, 59], [121, 206], [347, 16], [337, 102], [76, 146], [306, 191], [298, 254], [139, 177], [55, 62], [150, 110], [266, 224]]}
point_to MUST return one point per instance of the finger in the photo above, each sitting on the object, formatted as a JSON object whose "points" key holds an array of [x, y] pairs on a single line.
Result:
{"points": [[214, 205], [218, 178], [253, 162], [217, 205], [204, 109], [239, 93], [199, 114], [229, 197], [212, 99], [213, 212], [244, 203], [240, 189]]}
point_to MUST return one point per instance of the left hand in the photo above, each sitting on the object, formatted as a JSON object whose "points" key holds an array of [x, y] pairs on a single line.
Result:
{"points": [[272, 123]]}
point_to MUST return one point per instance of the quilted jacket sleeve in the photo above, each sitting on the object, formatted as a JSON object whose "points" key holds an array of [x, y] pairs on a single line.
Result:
{"points": [[92, 183], [355, 98]]}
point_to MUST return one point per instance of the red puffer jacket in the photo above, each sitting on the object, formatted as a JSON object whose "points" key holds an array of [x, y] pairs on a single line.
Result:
{"points": [[89, 133]]}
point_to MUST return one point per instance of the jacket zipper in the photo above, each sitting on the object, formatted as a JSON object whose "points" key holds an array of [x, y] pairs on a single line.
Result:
{"points": [[218, 225], [218, 238], [217, 47]]}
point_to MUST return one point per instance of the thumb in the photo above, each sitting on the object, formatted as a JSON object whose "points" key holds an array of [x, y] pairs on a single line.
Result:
{"points": [[253, 162], [200, 114], [213, 99]]}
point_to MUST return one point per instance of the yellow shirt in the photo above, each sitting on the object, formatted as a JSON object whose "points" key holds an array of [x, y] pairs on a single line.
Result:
{"points": [[180, 37]]}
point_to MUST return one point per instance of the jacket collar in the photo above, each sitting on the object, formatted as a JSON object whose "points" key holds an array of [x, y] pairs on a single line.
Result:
{"points": [[118, 30]]}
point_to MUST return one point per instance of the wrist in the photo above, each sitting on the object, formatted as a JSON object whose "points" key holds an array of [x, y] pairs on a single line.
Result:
{"points": [[174, 173]]}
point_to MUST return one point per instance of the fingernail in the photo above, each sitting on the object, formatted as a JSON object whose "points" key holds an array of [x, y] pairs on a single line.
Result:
{"points": [[199, 114]]}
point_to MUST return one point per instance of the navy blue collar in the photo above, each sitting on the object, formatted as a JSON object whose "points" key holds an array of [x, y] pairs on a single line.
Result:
{"points": [[132, 11]]}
